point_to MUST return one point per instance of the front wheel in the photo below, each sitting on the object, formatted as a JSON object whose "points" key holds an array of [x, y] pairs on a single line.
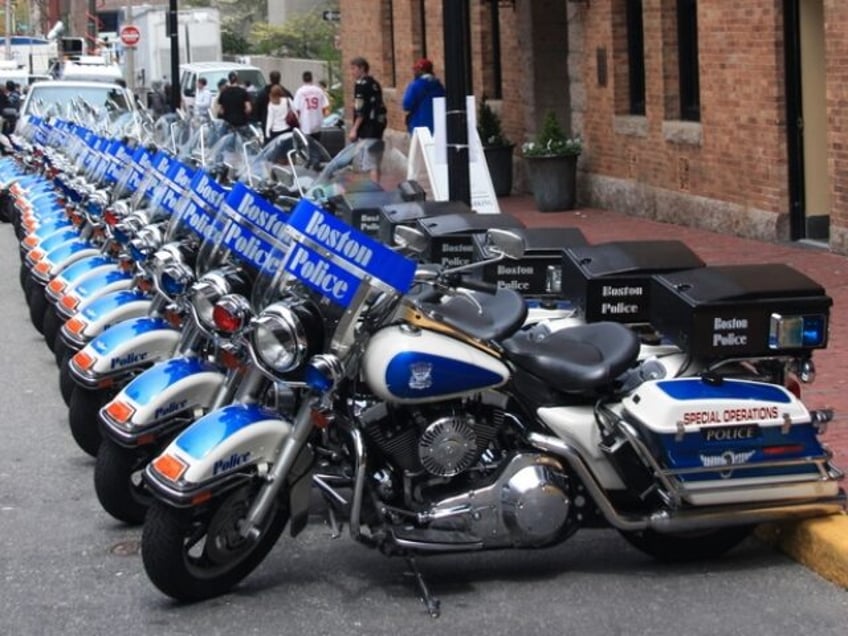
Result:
{"points": [[689, 546], [118, 481], [84, 419], [198, 553]]}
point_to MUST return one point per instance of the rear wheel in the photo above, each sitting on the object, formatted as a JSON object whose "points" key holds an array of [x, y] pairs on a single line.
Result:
{"points": [[689, 546], [118, 481], [198, 553], [66, 380], [83, 417]]}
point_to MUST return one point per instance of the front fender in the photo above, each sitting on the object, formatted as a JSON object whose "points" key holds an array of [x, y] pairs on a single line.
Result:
{"points": [[216, 450], [105, 311], [123, 348], [85, 291], [159, 395]]}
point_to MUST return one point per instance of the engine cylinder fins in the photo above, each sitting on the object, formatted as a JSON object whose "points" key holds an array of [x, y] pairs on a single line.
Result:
{"points": [[536, 505], [448, 446]]}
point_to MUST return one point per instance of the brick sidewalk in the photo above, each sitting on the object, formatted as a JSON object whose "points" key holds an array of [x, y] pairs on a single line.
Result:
{"points": [[830, 270]]}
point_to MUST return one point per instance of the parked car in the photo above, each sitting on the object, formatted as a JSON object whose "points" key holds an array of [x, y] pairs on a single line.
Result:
{"points": [[213, 72]]}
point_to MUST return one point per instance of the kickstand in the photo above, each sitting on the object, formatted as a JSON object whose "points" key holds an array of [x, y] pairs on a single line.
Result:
{"points": [[428, 599]]}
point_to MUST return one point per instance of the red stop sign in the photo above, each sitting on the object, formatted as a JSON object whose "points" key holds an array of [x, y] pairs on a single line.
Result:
{"points": [[130, 35]]}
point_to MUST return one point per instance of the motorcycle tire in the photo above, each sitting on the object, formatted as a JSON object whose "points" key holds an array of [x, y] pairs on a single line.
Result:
{"points": [[29, 286], [37, 307], [689, 546], [197, 553], [83, 417], [118, 481], [50, 327], [23, 275], [61, 351], [67, 385]]}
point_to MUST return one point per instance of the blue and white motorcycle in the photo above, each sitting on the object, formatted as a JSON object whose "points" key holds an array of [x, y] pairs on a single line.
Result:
{"points": [[428, 437]]}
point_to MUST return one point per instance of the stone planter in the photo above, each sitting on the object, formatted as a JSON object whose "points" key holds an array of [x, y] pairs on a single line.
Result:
{"points": [[499, 160], [553, 181]]}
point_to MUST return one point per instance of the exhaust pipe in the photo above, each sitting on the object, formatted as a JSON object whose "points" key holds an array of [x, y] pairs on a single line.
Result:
{"points": [[688, 520]]}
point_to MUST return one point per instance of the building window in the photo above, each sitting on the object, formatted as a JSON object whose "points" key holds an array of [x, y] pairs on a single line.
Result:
{"points": [[636, 57], [687, 46], [681, 84], [388, 19], [628, 57]]}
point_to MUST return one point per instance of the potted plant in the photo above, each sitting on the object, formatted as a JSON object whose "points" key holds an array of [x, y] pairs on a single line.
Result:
{"points": [[496, 147], [552, 166]]}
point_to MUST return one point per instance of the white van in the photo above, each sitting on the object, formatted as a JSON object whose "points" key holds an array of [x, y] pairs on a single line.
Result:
{"points": [[90, 68], [213, 72]]}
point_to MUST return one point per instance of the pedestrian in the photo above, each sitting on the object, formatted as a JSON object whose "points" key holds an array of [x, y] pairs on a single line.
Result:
{"points": [[202, 99], [323, 85], [419, 95], [277, 120], [369, 115], [156, 101], [215, 109], [234, 102], [263, 97], [312, 105]]}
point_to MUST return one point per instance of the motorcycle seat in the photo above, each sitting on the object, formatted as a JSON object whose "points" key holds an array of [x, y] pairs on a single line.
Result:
{"points": [[503, 313], [577, 358]]}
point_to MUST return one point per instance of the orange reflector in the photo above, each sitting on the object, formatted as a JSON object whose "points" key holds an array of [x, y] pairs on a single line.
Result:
{"points": [[83, 360], [56, 285], [43, 267], [228, 359], [789, 449], [69, 302], [36, 255], [76, 326], [169, 466], [119, 411], [30, 241], [201, 498]]}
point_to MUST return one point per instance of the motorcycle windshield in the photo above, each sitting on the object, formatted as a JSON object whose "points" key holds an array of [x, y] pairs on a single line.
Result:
{"points": [[341, 269], [232, 153], [199, 217], [245, 230], [349, 171], [289, 157]]}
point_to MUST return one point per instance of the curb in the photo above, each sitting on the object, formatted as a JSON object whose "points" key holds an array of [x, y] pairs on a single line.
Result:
{"points": [[821, 544]]}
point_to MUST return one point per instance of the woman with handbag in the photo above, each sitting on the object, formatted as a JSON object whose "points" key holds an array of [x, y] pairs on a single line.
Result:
{"points": [[282, 116]]}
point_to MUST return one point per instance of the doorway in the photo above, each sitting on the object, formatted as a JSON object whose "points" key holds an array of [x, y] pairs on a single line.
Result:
{"points": [[809, 176]]}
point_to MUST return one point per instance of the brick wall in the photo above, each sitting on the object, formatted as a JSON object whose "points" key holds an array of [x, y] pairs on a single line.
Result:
{"points": [[836, 53]]}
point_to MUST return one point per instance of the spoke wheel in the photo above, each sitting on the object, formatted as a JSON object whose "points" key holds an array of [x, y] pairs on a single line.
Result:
{"points": [[198, 553]]}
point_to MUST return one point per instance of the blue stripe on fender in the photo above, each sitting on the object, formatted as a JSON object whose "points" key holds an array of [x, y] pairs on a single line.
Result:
{"points": [[110, 302], [82, 267], [66, 251], [162, 375], [95, 284], [210, 430], [123, 331], [697, 389]]}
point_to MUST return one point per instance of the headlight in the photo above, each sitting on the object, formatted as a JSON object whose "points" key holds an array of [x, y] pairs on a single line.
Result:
{"points": [[205, 293], [279, 338], [175, 279]]}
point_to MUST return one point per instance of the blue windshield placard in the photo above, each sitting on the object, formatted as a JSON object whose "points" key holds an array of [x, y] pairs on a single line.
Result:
{"points": [[176, 183], [361, 254], [254, 228]]}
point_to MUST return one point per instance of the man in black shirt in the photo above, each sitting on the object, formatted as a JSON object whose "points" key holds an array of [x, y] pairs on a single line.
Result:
{"points": [[369, 115], [234, 102]]}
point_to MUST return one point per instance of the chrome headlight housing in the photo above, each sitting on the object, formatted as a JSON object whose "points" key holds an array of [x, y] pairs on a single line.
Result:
{"points": [[279, 338], [205, 293], [146, 242]]}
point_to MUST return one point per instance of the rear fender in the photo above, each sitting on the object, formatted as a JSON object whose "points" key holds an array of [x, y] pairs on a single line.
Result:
{"points": [[218, 449], [165, 390]]}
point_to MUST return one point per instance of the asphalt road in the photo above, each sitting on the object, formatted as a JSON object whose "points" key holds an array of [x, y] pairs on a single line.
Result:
{"points": [[67, 568]]}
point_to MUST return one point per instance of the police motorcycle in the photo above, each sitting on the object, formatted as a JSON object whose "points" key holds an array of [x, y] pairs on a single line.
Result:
{"points": [[161, 182], [119, 353], [428, 438], [208, 369]]}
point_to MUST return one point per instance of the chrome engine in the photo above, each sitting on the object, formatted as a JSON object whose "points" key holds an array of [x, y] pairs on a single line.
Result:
{"points": [[529, 504]]}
